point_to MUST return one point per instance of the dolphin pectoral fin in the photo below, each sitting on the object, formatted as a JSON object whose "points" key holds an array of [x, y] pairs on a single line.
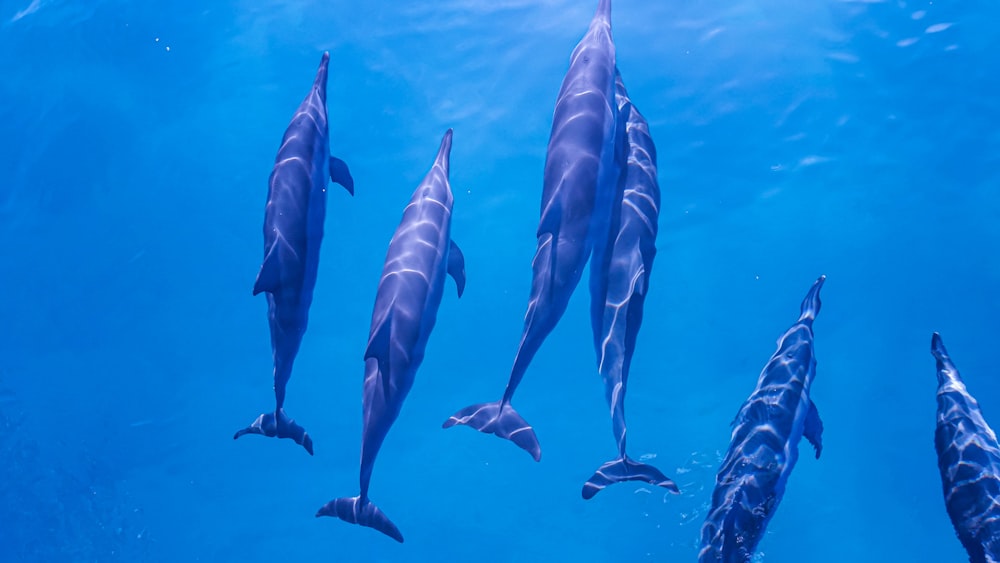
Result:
{"points": [[456, 267], [620, 470], [278, 427], [814, 429], [269, 277], [357, 510], [340, 174], [500, 419]]}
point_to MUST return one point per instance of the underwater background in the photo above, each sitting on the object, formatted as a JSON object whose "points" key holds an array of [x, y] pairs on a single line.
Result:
{"points": [[854, 139]]}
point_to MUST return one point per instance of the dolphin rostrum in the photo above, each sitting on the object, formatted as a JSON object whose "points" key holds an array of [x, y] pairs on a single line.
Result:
{"points": [[579, 184], [420, 255], [969, 460], [765, 444], [619, 282], [293, 231]]}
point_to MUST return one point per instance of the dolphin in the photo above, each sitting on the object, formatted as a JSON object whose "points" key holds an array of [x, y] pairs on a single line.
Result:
{"points": [[618, 288], [765, 444], [578, 188], [409, 293], [969, 460], [293, 231]]}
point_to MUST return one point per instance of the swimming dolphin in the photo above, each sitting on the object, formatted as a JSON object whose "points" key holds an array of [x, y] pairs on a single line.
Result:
{"points": [[619, 285], [969, 460], [409, 293], [293, 231], [765, 444], [578, 187]]}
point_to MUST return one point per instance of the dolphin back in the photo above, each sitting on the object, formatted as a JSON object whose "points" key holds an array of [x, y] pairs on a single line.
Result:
{"points": [[968, 460]]}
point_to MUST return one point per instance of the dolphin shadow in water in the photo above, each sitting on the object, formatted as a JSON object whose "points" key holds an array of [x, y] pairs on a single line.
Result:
{"points": [[293, 231]]}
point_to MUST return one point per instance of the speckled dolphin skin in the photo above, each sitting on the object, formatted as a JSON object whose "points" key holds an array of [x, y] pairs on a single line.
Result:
{"points": [[765, 444], [421, 254], [969, 460], [579, 184], [293, 231]]}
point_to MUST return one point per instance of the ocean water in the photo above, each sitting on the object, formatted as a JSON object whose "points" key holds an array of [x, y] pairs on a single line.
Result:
{"points": [[853, 139]]}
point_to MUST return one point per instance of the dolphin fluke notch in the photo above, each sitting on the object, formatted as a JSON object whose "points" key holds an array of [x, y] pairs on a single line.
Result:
{"points": [[626, 469], [279, 426], [357, 510], [811, 304], [500, 419]]}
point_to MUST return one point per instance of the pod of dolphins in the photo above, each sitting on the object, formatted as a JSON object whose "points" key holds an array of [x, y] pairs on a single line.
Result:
{"points": [[600, 203]]}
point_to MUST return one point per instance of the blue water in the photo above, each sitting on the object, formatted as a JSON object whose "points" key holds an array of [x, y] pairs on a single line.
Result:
{"points": [[853, 139]]}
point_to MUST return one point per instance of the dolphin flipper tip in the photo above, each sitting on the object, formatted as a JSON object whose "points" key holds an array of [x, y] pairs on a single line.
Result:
{"points": [[363, 512], [621, 470], [501, 420]]}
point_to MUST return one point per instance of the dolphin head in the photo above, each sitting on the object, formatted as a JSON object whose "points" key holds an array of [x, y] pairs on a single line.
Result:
{"points": [[444, 152]]}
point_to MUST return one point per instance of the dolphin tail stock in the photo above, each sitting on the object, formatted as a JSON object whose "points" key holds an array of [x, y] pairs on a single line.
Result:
{"points": [[500, 419], [278, 425], [626, 469], [361, 511]]}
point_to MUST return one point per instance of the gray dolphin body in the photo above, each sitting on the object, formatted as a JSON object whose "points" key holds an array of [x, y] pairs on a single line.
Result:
{"points": [[420, 255], [765, 444], [579, 185], [969, 461], [293, 231], [619, 282]]}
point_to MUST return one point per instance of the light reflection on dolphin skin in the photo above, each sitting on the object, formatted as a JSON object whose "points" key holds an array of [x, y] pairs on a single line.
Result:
{"points": [[579, 184], [619, 284], [420, 254], [969, 461], [765, 444], [293, 231]]}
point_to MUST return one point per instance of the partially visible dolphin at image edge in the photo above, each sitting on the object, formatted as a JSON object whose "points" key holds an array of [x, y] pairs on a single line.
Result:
{"points": [[421, 255], [580, 181], [969, 462], [293, 231]]}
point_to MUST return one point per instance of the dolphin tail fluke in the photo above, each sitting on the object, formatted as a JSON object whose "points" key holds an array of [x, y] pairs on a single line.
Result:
{"points": [[624, 469], [357, 510], [279, 426], [501, 419]]}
